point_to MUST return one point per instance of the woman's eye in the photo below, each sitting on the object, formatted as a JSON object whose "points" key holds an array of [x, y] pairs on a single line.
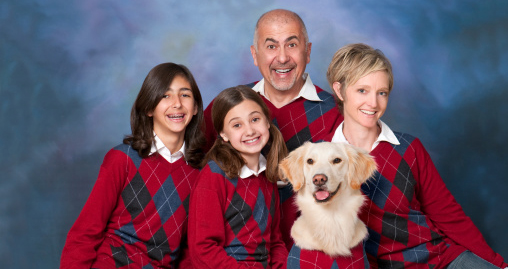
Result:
{"points": [[165, 96], [361, 90]]}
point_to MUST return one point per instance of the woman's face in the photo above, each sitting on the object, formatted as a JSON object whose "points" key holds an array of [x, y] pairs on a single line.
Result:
{"points": [[366, 100]]}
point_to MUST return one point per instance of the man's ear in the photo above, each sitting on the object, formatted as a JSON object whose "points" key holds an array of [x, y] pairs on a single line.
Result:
{"points": [[254, 54], [309, 48], [336, 89]]}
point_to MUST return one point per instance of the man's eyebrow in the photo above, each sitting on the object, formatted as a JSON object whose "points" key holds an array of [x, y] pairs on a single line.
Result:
{"points": [[291, 38], [269, 39]]}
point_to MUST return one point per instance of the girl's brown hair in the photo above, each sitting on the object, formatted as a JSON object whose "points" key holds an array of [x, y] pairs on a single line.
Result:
{"points": [[154, 87], [227, 157]]}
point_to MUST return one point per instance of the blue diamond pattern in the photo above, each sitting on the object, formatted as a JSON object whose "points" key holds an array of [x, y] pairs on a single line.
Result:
{"points": [[167, 200], [236, 250], [377, 190], [261, 212], [127, 233]]}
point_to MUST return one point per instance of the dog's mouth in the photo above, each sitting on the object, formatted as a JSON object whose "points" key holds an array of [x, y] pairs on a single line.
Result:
{"points": [[322, 195]]}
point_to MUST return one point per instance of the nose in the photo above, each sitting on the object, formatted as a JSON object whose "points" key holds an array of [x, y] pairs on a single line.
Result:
{"points": [[176, 102], [282, 56], [372, 99], [249, 130], [319, 180]]}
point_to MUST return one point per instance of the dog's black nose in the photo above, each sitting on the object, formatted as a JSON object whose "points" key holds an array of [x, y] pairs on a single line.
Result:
{"points": [[319, 179]]}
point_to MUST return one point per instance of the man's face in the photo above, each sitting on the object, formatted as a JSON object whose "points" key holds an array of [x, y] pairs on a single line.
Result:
{"points": [[281, 55]]}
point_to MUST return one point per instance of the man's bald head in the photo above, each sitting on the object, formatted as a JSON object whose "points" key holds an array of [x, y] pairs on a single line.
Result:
{"points": [[279, 16]]}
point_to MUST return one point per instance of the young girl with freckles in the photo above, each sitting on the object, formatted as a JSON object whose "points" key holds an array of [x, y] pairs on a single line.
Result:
{"points": [[413, 219], [136, 215], [234, 207]]}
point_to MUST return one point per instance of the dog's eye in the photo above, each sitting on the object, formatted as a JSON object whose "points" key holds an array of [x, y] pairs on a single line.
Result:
{"points": [[310, 161], [337, 160]]}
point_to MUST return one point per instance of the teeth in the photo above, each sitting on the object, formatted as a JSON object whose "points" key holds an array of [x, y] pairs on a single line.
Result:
{"points": [[252, 140], [179, 116], [368, 112], [281, 71]]}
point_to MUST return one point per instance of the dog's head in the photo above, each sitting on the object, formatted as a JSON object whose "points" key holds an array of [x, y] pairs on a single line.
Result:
{"points": [[323, 169]]}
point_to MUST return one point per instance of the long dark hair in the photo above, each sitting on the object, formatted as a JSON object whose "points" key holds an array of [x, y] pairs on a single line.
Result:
{"points": [[154, 87], [227, 157]]}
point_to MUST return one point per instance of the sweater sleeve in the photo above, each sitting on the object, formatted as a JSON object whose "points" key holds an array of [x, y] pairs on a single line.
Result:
{"points": [[445, 212], [206, 224], [278, 251], [87, 233]]}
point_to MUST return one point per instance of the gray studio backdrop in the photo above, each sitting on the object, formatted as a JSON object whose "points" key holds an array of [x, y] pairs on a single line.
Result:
{"points": [[70, 70]]}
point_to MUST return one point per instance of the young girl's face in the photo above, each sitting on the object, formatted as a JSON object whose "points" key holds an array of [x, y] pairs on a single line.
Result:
{"points": [[174, 112], [247, 129]]}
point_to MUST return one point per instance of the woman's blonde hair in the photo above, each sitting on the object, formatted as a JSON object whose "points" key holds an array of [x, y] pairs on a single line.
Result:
{"points": [[354, 61]]}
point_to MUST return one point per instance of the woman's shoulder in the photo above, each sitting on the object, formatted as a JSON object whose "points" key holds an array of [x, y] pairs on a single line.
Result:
{"points": [[407, 142], [404, 138]]}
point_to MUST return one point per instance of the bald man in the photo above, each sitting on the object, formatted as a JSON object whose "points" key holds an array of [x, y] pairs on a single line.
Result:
{"points": [[301, 110]]}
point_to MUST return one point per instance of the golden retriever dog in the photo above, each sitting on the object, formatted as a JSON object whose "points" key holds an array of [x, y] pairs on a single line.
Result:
{"points": [[327, 178]]}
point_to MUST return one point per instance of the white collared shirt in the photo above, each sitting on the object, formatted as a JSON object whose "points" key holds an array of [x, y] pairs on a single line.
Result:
{"points": [[385, 135], [308, 90], [247, 172], [164, 151]]}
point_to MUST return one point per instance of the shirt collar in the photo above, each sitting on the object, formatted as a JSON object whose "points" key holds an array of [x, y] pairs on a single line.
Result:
{"points": [[308, 90], [158, 146], [247, 172], [385, 135]]}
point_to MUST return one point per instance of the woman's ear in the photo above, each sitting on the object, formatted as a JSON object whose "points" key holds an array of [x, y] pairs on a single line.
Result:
{"points": [[336, 89], [150, 114]]}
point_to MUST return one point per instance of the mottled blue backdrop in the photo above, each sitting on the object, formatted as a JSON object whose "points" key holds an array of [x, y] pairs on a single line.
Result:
{"points": [[70, 70]]}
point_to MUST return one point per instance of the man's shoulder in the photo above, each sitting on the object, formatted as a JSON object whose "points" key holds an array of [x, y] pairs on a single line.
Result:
{"points": [[252, 84], [320, 91]]}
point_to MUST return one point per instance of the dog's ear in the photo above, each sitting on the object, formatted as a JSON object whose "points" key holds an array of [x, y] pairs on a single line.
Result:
{"points": [[361, 166], [291, 168]]}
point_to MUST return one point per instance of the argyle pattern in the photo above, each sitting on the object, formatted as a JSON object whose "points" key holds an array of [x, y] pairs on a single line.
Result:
{"points": [[399, 235], [313, 259], [249, 207], [150, 219], [303, 120]]}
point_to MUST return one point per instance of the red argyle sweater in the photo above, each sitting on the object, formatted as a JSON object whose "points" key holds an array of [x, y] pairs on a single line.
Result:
{"points": [[412, 218], [136, 214], [233, 223], [299, 121], [314, 259]]}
